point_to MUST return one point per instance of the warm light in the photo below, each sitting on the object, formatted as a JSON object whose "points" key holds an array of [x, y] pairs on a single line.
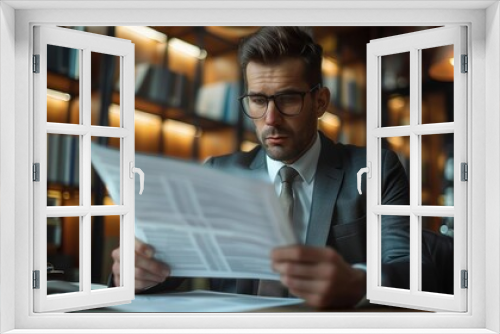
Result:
{"points": [[330, 119], [148, 32], [329, 67], [247, 145], [442, 65], [396, 102], [57, 95], [139, 116], [396, 142], [187, 48], [180, 128]]}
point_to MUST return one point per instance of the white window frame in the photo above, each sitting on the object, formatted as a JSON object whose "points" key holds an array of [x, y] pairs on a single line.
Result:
{"points": [[413, 44], [16, 20], [85, 43]]}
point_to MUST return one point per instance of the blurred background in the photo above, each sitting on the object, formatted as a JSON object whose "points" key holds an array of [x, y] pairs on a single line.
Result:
{"points": [[187, 81]]}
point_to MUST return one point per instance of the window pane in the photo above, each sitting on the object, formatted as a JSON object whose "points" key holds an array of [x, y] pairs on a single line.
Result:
{"points": [[63, 255], [437, 170], [391, 168], [105, 235], [102, 193], [63, 85], [395, 251], [437, 84], [438, 246], [395, 94], [105, 81], [63, 170]]}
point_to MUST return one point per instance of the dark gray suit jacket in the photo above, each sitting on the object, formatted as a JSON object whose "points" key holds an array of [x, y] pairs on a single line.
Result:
{"points": [[338, 212]]}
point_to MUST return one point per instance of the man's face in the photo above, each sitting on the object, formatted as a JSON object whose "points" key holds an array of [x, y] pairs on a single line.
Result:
{"points": [[286, 138]]}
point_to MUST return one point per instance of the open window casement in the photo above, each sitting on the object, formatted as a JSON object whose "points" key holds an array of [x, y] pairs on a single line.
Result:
{"points": [[416, 131], [67, 142]]}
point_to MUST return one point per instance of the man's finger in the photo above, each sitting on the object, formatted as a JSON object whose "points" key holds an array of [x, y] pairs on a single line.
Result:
{"points": [[144, 275], [152, 266], [115, 254], [316, 271], [116, 280], [303, 286], [300, 253], [312, 299], [143, 248]]}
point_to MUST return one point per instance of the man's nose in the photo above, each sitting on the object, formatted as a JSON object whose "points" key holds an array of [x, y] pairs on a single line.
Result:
{"points": [[273, 116]]}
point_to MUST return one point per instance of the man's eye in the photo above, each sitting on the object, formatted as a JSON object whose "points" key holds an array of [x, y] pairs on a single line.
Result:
{"points": [[291, 99], [258, 100]]}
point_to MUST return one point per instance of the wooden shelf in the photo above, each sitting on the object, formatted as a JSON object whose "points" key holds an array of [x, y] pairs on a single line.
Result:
{"points": [[63, 83]]}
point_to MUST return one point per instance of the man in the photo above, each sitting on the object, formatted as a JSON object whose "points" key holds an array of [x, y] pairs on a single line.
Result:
{"points": [[282, 71]]}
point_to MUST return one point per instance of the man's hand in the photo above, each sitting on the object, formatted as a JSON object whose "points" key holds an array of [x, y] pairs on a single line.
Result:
{"points": [[148, 271], [319, 275]]}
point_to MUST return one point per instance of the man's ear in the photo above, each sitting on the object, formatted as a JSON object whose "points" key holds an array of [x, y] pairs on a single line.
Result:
{"points": [[322, 101]]}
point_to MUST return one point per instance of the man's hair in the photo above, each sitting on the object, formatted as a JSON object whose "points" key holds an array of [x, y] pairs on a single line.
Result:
{"points": [[270, 45]]}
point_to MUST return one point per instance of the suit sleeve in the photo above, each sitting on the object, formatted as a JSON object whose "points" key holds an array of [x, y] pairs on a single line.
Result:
{"points": [[395, 230]]}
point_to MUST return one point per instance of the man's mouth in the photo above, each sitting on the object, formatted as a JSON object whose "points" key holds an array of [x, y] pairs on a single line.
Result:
{"points": [[276, 140]]}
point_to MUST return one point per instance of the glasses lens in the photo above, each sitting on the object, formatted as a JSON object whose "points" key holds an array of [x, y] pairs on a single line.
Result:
{"points": [[289, 104], [254, 106]]}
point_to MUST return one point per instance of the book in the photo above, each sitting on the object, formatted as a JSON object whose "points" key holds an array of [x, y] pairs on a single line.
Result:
{"points": [[219, 102]]}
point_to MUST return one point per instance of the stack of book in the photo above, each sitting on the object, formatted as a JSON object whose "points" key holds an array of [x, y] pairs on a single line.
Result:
{"points": [[64, 61], [63, 160], [219, 102], [353, 90], [161, 85]]}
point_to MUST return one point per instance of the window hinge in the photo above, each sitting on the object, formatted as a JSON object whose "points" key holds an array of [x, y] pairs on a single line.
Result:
{"points": [[465, 64], [36, 279], [464, 171], [36, 172], [465, 279], [36, 63]]}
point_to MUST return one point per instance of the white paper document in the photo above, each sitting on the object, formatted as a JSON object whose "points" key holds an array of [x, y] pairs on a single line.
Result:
{"points": [[202, 222], [198, 301]]}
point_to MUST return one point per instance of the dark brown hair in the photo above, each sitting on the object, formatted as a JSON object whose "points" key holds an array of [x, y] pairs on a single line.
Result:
{"points": [[270, 45]]}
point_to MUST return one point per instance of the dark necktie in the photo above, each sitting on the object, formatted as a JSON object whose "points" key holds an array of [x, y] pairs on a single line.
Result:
{"points": [[287, 174]]}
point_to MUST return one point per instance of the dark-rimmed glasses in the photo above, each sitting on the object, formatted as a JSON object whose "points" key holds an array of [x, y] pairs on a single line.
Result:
{"points": [[287, 103]]}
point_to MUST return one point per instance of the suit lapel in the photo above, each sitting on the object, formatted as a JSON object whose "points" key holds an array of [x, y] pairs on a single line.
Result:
{"points": [[259, 162], [327, 183]]}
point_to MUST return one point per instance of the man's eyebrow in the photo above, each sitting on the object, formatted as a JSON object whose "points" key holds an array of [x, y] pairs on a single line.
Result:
{"points": [[281, 91]]}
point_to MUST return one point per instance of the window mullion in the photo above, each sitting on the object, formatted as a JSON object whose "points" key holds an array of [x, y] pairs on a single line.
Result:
{"points": [[85, 253], [85, 165], [415, 186]]}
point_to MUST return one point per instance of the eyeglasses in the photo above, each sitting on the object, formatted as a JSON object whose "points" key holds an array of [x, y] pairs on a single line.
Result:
{"points": [[288, 104]]}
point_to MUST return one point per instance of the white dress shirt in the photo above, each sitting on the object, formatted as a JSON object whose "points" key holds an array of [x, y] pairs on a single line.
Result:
{"points": [[303, 186]]}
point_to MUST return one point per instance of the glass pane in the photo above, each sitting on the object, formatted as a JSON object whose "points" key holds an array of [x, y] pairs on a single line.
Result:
{"points": [[106, 185], [437, 254], [105, 81], [437, 84], [395, 251], [63, 170], [395, 94], [105, 236], [437, 170], [395, 165], [63, 255], [63, 85]]}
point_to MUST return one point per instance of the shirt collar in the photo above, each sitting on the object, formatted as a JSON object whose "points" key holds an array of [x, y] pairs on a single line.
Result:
{"points": [[305, 165]]}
